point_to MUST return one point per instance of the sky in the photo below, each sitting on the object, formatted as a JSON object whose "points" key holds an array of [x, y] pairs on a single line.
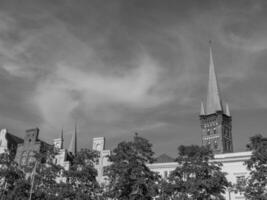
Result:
{"points": [[119, 67]]}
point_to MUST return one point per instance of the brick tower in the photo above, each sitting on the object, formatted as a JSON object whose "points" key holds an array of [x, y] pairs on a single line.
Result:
{"points": [[216, 122]]}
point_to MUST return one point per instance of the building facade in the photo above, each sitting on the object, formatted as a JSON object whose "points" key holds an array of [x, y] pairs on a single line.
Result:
{"points": [[99, 145], [62, 156], [26, 151]]}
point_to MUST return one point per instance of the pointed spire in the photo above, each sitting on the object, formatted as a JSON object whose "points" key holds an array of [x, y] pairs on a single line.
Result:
{"points": [[75, 139], [73, 142], [70, 149], [62, 139], [202, 110], [213, 97], [227, 110]]}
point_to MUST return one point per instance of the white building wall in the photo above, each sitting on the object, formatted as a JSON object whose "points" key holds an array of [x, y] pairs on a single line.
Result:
{"points": [[3, 141], [99, 145], [233, 165]]}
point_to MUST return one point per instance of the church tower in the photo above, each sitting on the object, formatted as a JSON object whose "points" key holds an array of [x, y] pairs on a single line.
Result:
{"points": [[216, 122]]}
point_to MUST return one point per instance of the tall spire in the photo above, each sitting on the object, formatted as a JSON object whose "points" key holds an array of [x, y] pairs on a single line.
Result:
{"points": [[73, 142], [202, 110], [213, 97]]}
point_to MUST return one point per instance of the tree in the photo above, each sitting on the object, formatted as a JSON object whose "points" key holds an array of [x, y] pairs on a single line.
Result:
{"points": [[129, 177], [41, 181], [197, 176], [13, 184], [81, 177], [255, 186]]}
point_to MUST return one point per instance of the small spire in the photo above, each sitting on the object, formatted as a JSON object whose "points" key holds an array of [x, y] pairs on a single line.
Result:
{"points": [[70, 149], [62, 139], [227, 110], [202, 110], [73, 142], [213, 97]]}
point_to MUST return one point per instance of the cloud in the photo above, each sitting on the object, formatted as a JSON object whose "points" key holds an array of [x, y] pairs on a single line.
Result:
{"points": [[17, 70], [68, 88]]}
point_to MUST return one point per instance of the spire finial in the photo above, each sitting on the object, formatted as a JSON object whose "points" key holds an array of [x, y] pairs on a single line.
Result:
{"points": [[202, 110], [62, 138], [213, 97], [227, 110]]}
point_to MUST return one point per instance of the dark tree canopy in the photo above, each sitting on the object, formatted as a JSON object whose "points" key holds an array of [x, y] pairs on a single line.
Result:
{"points": [[128, 174], [196, 177], [42, 183]]}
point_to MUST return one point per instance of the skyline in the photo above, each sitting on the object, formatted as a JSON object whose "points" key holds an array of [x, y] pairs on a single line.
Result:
{"points": [[124, 67]]}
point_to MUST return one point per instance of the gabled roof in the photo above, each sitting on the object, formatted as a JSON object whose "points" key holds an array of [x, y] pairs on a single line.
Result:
{"points": [[14, 138], [164, 158]]}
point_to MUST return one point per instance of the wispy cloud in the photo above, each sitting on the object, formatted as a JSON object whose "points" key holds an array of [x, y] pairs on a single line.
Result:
{"points": [[69, 87]]}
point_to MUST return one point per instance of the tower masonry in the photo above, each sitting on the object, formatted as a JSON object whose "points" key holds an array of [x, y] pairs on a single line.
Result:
{"points": [[215, 121]]}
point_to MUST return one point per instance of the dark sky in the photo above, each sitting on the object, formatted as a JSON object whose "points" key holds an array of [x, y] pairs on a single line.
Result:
{"points": [[119, 67]]}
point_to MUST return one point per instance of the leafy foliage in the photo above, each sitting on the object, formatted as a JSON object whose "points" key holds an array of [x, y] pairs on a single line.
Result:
{"points": [[44, 175], [81, 177], [42, 182], [128, 174], [255, 187], [12, 178], [196, 177]]}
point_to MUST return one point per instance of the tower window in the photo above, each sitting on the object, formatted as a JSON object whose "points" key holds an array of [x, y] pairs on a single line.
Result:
{"points": [[225, 145], [214, 131], [208, 144], [208, 132], [215, 145]]}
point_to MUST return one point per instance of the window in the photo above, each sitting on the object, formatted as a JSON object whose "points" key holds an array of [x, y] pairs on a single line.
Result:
{"points": [[208, 144], [214, 131], [240, 179], [97, 161], [165, 174], [215, 144], [31, 157], [23, 161], [208, 132]]}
